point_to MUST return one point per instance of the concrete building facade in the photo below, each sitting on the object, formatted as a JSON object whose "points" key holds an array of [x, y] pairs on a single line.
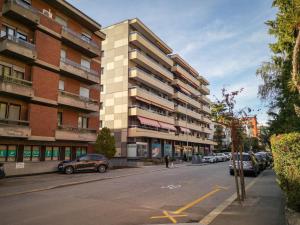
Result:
{"points": [[49, 83], [154, 101]]}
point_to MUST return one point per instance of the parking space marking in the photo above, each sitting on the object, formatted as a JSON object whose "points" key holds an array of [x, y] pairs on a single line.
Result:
{"points": [[178, 213]]}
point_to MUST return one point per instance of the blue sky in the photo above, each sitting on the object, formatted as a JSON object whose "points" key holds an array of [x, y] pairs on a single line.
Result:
{"points": [[225, 40]]}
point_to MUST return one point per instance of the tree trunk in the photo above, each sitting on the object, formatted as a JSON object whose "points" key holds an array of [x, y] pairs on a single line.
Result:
{"points": [[295, 74]]}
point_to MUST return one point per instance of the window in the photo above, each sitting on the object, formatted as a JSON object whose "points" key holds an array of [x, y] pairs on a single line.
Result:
{"points": [[61, 85], [101, 124], [59, 118], [102, 71], [102, 53], [63, 54], [80, 151], [27, 2], [19, 75], [6, 71], [67, 153], [85, 63], [96, 157], [82, 122], [84, 92], [3, 153], [101, 87], [101, 105], [86, 37], [61, 21], [31, 153], [3, 108], [22, 36], [14, 112]]}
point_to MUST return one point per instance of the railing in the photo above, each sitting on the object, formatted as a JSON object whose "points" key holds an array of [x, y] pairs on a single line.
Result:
{"points": [[14, 122], [78, 36], [151, 93], [152, 60], [24, 5], [148, 110], [76, 129], [75, 96], [79, 66], [158, 129], [15, 80], [148, 74], [18, 41], [142, 36]]}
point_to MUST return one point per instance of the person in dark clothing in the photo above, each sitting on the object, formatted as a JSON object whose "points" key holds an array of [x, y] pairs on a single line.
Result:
{"points": [[167, 161]]}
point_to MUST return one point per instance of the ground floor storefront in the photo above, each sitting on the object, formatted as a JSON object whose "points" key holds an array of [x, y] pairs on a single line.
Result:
{"points": [[30, 157], [158, 148]]}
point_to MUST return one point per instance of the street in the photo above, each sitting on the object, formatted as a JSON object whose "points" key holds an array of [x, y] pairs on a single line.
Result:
{"points": [[188, 192]]}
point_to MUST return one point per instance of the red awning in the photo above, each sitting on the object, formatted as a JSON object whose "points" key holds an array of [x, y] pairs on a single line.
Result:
{"points": [[146, 121], [167, 126], [185, 130]]}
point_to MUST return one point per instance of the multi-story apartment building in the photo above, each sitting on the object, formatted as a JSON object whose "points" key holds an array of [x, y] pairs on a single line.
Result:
{"points": [[250, 126], [49, 82], [153, 100]]}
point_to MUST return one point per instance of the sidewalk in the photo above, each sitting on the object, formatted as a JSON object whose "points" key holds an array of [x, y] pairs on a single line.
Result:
{"points": [[264, 205], [35, 183]]}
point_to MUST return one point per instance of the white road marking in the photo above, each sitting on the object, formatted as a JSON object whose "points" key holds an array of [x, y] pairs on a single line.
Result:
{"points": [[171, 186]]}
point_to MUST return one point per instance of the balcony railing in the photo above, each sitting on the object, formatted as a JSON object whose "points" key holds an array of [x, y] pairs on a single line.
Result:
{"points": [[76, 129], [78, 36], [15, 80], [151, 93], [18, 41], [152, 60], [79, 66], [75, 96], [10, 122], [147, 74], [24, 5]]}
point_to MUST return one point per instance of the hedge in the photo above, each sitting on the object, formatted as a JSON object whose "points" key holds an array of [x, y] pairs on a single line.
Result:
{"points": [[286, 153]]}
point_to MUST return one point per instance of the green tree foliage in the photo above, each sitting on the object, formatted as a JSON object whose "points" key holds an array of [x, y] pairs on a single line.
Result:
{"points": [[286, 153], [105, 143], [277, 74], [218, 136]]}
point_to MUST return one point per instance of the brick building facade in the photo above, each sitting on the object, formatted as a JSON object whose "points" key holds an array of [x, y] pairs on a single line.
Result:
{"points": [[49, 77]]}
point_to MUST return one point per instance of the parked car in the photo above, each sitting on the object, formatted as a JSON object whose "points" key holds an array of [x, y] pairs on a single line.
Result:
{"points": [[209, 159], [250, 164], [262, 162], [221, 157], [228, 155], [94, 162], [2, 172], [267, 157]]}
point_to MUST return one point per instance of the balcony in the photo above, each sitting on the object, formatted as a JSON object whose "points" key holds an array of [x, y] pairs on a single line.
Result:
{"points": [[151, 98], [206, 120], [75, 40], [205, 109], [143, 132], [185, 111], [138, 40], [75, 134], [151, 65], [203, 89], [76, 101], [206, 130], [78, 71], [186, 99], [190, 138], [191, 126], [186, 86], [16, 86], [183, 73], [21, 12], [150, 80], [135, 111], [204, 99], [15, 47], [14, 128]]}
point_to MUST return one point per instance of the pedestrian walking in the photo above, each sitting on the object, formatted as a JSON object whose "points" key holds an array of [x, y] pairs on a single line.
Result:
{"points": [[167, 161]]}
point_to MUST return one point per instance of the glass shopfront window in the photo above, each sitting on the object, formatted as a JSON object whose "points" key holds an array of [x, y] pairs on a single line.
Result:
{"points": [[27, 153], [80, 151], [31, 153], [3, 153], [55, 153], [67, 153], [52, 153], [35, 153], [12, 153]]}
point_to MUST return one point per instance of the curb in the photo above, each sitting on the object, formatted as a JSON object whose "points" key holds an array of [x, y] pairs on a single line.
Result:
{"points": [[82, 182]]}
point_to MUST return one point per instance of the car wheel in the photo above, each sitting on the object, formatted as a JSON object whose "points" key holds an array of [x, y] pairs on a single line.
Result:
{"points": [[255, 173], [69, 170], [101, 169]]}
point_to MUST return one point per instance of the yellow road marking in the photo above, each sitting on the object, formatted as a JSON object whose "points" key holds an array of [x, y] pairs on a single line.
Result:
{"points": [[172, 215], [191, 204]]}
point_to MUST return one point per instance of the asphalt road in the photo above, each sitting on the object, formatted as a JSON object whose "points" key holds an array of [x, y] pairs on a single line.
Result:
{"points": [[189, 191]]}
